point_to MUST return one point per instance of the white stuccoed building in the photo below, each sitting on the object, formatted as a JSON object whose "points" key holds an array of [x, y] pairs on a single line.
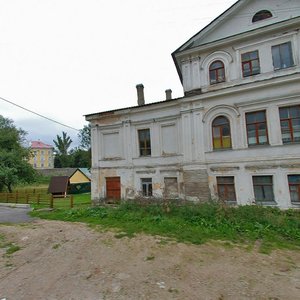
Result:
{"points": [[233, 137]]}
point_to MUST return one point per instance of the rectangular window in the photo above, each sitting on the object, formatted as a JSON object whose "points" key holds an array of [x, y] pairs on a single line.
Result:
{"points": [[146, 187], [294, 186], [257, 132], [263, 188], [226, 189], [290, 124], [282, 56], [250, 63], [144, 142]]}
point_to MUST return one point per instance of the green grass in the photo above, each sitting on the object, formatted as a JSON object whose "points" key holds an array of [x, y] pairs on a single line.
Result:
{"points": [[41, 182], [10, 247], [79, 201], [196, 224]]}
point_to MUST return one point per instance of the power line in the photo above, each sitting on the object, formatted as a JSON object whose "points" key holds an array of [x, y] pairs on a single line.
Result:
{"points": [[35, 113]]}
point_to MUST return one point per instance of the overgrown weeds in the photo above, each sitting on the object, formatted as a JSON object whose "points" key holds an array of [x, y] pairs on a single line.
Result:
{"points": [[272, 227]]}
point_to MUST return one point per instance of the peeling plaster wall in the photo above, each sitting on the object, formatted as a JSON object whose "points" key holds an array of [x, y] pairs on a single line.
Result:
{"points": [[181, 129], [243, 173]]}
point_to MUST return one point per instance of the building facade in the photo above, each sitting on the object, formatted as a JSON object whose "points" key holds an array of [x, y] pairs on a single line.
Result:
{"points": [[233, 137], [42, 155]]}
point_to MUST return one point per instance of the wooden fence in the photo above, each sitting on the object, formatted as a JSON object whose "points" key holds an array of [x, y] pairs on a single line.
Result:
{"points": [[41, 199]]}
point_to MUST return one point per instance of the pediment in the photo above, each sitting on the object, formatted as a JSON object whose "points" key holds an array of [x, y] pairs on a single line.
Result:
{"points": [[244, 16]]}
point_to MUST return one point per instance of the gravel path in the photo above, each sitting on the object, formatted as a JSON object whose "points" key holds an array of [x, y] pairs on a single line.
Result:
{"points": [[60, 260]]}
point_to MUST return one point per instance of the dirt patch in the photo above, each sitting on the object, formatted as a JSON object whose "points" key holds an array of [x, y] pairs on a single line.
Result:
{"points": [[61, 260]]}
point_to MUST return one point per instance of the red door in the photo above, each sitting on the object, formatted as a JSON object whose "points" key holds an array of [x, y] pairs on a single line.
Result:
{"points": [[113, 188]]}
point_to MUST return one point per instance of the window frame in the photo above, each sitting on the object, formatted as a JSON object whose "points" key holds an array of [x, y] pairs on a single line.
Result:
{"points": [[218, 77], [148, 185], [281, 55], [262, 15], [220, 128], [256, 124], [290, 119], [264, 186], [146, 149], [250, 63], [229, 187], [297, 185]]}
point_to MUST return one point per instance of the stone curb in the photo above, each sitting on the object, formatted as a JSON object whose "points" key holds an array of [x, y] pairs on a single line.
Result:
{"points": [[15, 205]]}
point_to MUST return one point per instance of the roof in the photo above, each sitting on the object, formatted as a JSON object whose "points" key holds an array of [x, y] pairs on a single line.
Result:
{"points": [[225, 26], [40, 145], [131, 107], [69, 172], [58, 184], [84, 171], [213, 23]]}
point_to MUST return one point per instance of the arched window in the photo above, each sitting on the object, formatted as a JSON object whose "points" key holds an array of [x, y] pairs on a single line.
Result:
{"points": [[261, 15], [216, 72], [221, 133]]}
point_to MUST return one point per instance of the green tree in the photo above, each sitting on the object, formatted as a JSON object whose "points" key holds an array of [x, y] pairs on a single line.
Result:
{"points": [[62, 158], [84, 136], [81, 158], [62, 143], [14, 166]]}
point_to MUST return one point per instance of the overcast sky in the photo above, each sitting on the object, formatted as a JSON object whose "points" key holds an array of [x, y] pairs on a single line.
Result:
{"points": [[67, 58]]}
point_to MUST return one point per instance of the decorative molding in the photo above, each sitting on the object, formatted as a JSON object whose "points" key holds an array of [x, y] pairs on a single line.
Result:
{"points": [[221, 109], [224, 169], [224, 56]]}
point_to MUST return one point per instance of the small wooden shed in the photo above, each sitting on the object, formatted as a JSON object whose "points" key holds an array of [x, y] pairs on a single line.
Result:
{"points": [[58, 186]]}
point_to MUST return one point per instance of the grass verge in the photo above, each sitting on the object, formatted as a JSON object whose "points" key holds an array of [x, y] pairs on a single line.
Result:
{"points": [[197, 224]]}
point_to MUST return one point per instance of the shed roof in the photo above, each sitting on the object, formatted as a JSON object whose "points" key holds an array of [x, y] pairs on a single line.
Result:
{"points": [[58, 184]]}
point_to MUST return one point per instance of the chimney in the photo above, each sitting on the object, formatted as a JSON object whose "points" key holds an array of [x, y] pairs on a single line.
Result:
{"points": [[168, 94], [140, 94]]}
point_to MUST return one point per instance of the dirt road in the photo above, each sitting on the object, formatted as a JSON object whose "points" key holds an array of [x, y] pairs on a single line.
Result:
{"points": [[61, 260]]}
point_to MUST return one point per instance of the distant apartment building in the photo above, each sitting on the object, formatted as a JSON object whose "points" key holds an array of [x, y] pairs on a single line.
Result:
{"points": [[42, 155]]}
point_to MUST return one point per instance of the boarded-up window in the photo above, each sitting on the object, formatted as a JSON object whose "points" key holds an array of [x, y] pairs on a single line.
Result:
{"points": [[111, 145], [171, 187], [226, 189], [169, 139]]}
